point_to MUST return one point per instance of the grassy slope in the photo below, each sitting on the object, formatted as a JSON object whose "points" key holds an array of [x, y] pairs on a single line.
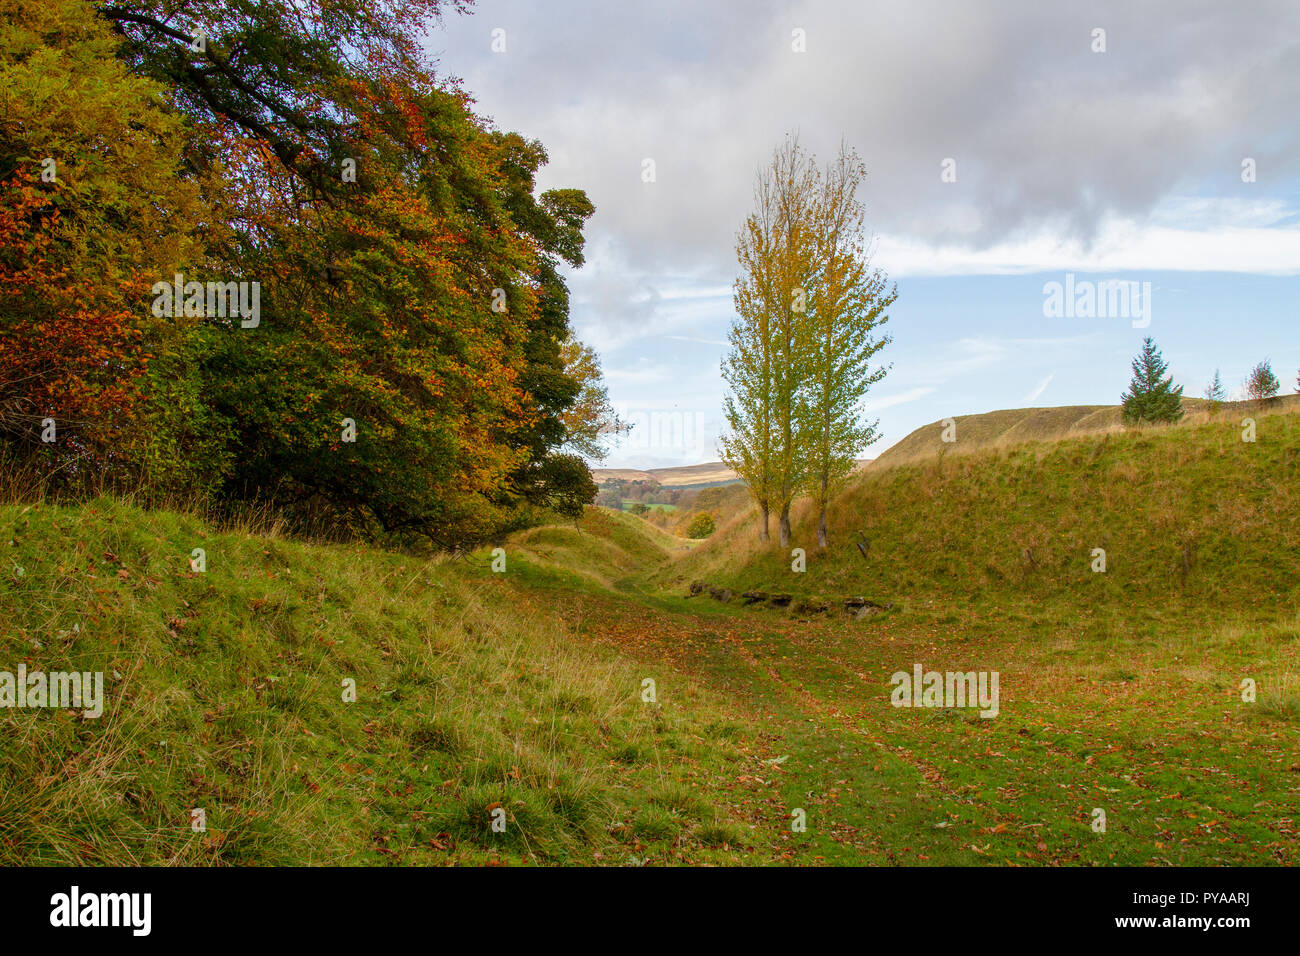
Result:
{"points": [[1001, 429], [1190, 518], [224, 692], [1119, 690]]}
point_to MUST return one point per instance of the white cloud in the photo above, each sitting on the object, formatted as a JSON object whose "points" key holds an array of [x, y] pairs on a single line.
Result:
{"points": [[688, 338], [878, 403], [1121, 246], [1038, 390], [1051, 140]]}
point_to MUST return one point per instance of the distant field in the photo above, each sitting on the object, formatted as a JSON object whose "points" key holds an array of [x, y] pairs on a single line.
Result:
{"points": [[712, 472], [653, 506]]}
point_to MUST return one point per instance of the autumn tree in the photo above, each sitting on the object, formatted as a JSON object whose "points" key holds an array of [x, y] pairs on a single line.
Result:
{"points": [[591, 417], [1151, 395], [96, 204], [808, 304], [407, 372], [406, 369], [846, 306], [769, 342], [1261, 383]]}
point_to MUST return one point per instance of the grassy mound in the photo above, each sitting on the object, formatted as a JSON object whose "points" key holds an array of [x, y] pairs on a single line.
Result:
{"points": [[1013, 426], [225, 692], [1189, 517]]}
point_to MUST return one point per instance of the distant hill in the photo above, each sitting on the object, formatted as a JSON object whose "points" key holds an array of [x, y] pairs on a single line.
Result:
{"points": [[684, 476], [1014, 426]]}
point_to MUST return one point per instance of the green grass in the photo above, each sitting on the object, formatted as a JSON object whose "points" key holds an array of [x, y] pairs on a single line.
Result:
{"points": [[225, 692], [1192, 520], [1012, 426], [521, 691]]}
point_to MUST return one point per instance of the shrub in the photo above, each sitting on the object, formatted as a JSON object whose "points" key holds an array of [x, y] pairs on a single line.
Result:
{"points": [[701, 526]]}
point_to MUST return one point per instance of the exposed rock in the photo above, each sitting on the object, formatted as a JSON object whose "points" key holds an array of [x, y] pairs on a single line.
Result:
{"points": [[720, 594], [861, 607], [697, 587], [869, 609], [781, 600], [753, 597]]}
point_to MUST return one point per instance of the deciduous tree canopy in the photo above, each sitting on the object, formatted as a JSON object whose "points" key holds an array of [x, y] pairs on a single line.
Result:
{"points": [[405, 369]]}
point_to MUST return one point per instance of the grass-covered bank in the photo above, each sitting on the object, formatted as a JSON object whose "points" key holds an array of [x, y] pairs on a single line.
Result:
{"points": [[1191, 518], [225, 692], [521, 690]]}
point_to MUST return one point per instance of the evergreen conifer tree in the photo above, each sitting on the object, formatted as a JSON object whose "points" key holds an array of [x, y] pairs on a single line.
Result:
{"points": [[1151, 396]]}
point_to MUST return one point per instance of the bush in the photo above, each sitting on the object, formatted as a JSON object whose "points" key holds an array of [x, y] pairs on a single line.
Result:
{"points": [[701, 526]]}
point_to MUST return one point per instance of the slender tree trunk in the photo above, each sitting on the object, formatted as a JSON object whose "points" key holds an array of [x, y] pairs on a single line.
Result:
{"points": [[763, 534], [785, 525], [821, 512]]}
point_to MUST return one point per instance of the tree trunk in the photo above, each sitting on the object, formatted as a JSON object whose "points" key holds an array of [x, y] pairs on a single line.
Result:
{"points": [[821, 510], [763, 534], [785, 526]]}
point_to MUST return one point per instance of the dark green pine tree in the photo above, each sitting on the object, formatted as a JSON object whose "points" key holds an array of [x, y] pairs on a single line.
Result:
{"points": [[1151, 396]]}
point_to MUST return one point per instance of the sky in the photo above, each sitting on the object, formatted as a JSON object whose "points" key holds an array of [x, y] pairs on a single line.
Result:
{"points": [[1009, 146]]}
